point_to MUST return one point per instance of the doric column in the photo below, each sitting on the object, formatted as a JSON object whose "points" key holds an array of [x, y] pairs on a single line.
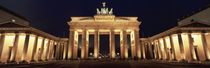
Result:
{"points": [[64, 51], [160, 51], [30, 47], [156, 50], [52, 50], [58, 50], [172, 47], [2, 40], [181, 46], [25, 46], [71, 43], [87, 45], [137, 46], [20, 47], [112, 43], [83, 44], [35, 48], [125, 44], [205, 47], [96, 44], [133, 43], [165, 48], [61, 51], [48, 50], [2, 37], [42, 50], [150, 50], [75, 47], [121, 45], [14, 49], [143, 50], [190, 46]]}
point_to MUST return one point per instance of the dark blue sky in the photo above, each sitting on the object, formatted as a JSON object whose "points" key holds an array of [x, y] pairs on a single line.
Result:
{"points": [[51, 16]]}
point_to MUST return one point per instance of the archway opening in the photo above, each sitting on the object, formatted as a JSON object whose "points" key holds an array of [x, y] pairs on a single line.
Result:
{"points": [[117, 46], [91, 46], [79, 46], [104, 46]]}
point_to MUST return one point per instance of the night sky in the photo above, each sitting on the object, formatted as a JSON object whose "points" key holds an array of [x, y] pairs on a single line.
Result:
{"points": [[51, 16]]}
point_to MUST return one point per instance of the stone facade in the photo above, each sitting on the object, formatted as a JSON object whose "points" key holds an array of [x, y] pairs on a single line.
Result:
{"points": [[21, 43], [189, 41]]}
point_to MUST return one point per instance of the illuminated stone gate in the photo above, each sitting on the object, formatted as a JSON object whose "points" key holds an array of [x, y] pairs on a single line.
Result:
{"points": [[104, 22]]}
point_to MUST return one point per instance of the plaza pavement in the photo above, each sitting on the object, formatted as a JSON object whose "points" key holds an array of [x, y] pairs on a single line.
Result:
{"points": [[107, 64]]}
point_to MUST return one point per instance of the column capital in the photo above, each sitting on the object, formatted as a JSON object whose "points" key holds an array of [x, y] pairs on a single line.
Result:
{"points": [[96, 29], [137, 29], [71, 29]]}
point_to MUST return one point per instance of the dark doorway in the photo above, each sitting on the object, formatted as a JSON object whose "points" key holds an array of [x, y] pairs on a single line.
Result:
{"points": [[104, 45], [79, 46], [129, 45], [91, 46], [117, 46]]}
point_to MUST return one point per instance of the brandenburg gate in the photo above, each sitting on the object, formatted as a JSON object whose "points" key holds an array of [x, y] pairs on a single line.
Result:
{"points": [[104, 22]]}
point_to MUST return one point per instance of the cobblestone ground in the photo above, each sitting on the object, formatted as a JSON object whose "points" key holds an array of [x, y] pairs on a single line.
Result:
{"points": [[107, 64]]}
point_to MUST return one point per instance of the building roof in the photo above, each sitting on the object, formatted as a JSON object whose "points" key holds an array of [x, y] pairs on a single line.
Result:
{"points": [[13, 13], [199, 10]]}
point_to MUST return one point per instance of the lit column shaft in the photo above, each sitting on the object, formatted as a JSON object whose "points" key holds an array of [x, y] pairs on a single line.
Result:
{"points": [[75, 46], [25, 46], [191, 46], [14, 49], [58, 47], [2, 37], [156, 50], [48, 50], [133, 43], [35, 48], [121, 45], [150, 50], [181, 46], [143, 49], [160, 49], [52, 50], [64, 51], [42, 49], [203, 38], [83, 44], [112, 43], [87, 45], [2, 40], [71, 44], [125, 44], [20, 47], [61, 51], [172, 47], [138, 50], [165, 48], [30, 48], [96, 44]]}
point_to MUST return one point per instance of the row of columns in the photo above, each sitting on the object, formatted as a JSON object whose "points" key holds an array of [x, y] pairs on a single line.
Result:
{"points": [[73, 46], [27, 47], [182, 46]]}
